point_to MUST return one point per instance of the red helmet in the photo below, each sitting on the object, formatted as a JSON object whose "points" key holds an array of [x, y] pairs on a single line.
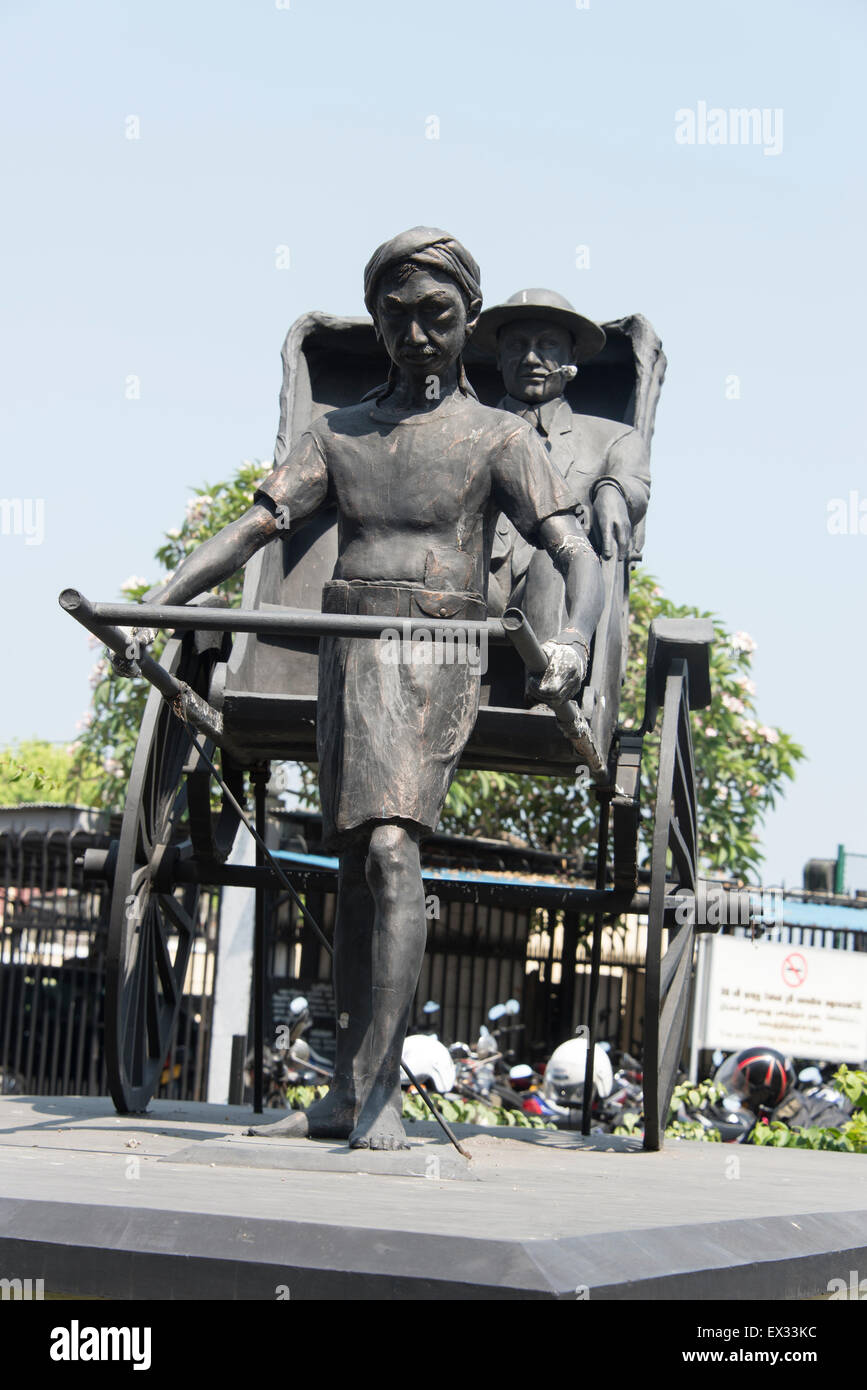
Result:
{"points": [[760, 1076]]}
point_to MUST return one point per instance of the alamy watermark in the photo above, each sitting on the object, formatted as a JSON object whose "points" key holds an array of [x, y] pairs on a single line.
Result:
{"points": [[847, 516], [77, 1343], [714, 905], [23, 516], [855, 1289], [24, 1290], [446, 645], [741, 125]]}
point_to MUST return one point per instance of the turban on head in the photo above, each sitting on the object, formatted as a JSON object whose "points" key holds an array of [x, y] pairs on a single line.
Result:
{"points": [[423, 246]]}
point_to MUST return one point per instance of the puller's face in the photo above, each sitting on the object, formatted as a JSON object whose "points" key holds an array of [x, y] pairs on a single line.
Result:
{"points": [[423, 321]]}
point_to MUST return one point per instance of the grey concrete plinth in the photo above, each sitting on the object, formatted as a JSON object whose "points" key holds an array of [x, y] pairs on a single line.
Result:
{"points": [[181, 1203]]}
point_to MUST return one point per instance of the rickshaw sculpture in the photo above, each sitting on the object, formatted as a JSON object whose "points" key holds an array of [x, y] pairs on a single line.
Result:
{"points": [[247, 679]]}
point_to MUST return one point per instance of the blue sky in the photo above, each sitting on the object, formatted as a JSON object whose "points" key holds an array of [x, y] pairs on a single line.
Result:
{"points": [[305, 126]]}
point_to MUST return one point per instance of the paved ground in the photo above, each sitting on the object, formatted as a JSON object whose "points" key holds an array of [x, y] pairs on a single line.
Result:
{"points": [[538, 1211]]}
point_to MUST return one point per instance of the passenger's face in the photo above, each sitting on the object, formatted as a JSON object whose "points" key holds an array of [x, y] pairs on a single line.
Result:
{"points": [[423, 321], [528, 350]]}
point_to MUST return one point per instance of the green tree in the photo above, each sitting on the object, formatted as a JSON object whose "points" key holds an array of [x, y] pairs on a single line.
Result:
{"points": [[110, 728], [34, 770], [742, 765]]}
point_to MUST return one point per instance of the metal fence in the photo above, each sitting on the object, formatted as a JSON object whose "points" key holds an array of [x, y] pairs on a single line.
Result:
{"points": [[53, 939], [478, 953], [483, 947]]}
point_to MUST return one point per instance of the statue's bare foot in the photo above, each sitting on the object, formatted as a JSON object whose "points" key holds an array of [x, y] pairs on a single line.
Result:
{"points": [[293, 1126], [379, 1127], [332, 1117]]}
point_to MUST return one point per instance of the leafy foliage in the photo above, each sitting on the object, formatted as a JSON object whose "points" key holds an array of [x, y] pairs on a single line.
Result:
{"points": [[454, 1109], [850, 1136], [110, 729], [697, 1096], [38, 771], [741, 765]]}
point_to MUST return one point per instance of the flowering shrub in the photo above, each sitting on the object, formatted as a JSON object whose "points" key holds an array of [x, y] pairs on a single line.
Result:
{"points": [[741, 765]]}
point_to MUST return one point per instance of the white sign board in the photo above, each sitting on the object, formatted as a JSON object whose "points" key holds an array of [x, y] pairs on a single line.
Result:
{"points": [[806, 1001]]}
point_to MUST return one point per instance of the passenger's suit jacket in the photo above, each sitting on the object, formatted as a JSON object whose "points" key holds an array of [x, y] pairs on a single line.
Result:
{"points": [[586, 449]]}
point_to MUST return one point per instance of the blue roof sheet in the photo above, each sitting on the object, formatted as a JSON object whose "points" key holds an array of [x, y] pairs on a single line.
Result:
{"points": [[795, 912]]}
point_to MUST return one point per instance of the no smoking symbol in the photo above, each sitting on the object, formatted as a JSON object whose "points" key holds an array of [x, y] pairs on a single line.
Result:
{"points": [[794, 970]]}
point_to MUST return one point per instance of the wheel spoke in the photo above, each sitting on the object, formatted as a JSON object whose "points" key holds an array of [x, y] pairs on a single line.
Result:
{"points": [[134, 1000], [152, 999], [671, 1026], [682, 856], [178, 914], [676, 947]]}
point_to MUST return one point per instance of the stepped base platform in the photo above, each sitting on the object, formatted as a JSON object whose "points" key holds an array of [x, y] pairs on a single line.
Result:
{"points": [[181, 1204]]}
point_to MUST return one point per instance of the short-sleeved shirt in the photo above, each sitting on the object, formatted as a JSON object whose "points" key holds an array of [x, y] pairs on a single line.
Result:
{"points": [[441, 476]]}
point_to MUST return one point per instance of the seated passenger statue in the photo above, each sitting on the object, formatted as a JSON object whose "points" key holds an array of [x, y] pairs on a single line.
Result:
{"points": [[539, 340]]}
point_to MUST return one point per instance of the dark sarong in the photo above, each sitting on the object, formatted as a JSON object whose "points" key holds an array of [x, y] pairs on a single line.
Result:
{"points": [[389, 732]]}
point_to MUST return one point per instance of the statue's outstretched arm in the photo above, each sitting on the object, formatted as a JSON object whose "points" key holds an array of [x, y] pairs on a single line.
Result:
{"points": [[220, 556], [289, 496]]}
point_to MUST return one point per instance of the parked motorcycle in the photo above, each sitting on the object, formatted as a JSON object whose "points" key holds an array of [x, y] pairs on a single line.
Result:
{"points": [[761, 1088], [488, 1072], [562, 1090], [292, 1061]]}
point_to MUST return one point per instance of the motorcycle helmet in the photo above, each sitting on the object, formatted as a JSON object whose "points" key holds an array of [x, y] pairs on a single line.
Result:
{"points": [[564, 1074], [733, 1125], [429, 1062], [522, 1076], [759, 1076]]}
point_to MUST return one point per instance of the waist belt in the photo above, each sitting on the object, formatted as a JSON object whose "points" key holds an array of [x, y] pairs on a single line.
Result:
{"points": [[400, 601]]}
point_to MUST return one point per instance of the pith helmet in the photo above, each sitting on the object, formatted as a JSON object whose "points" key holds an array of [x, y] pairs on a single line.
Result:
{"points": [[539, 304]]}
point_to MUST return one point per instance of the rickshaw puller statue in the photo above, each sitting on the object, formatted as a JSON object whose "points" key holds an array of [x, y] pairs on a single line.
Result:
{"points": [[419, 474]]}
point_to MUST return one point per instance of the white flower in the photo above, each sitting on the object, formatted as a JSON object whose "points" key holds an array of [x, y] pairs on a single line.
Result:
{"points": [[742, 642], [733, 705], [745, 684], [98, 674], [769, 735], [85, 721], [711, 733], [197, 507], [174, 534], [135, 581]]}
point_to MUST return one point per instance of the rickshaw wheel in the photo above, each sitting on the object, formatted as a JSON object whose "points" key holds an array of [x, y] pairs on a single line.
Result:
{"points": [[674, 863], [154, 919]]}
